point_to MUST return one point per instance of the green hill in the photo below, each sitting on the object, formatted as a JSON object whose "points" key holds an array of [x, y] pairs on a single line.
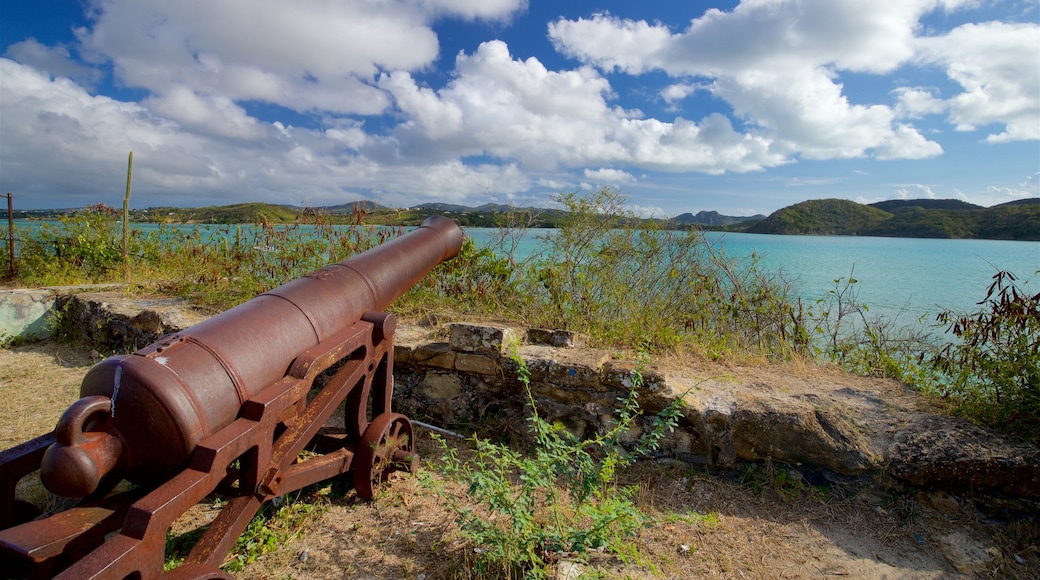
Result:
{"points": [[822, 217], [920, 218], [895, 205], [240, 213]]}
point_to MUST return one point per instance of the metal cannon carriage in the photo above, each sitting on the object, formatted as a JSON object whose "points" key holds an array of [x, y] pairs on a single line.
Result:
{"points": [[239, 404]]}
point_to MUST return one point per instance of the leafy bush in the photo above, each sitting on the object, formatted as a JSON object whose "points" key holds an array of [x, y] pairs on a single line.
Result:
{"points": [[623, 281], [230, 266], [83, 247], [561, 499], [992, 372], [477, 281]]}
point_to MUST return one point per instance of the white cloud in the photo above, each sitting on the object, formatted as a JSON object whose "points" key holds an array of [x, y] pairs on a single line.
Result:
{"points": [[998, 65], [606, 176], [678, 91], [906, 143], [55, 60], [494, 10], [916, 191], [214, 115], [438, 119], [1029, 187], [518, 110], [914, 103], [783, 73], [85, 140], [306, 55]]}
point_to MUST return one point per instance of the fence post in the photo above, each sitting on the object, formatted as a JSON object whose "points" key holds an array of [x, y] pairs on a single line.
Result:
{"points": [[10, 233], [126, 212]]}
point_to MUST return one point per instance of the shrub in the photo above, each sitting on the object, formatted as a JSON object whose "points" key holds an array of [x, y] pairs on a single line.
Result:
{"points": [[848, 335], [992, 371], [624, 281], [86, 246], [563, 498]]}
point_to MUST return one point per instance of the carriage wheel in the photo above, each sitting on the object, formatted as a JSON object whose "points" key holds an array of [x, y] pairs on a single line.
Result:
{"points": [[385, 447]]}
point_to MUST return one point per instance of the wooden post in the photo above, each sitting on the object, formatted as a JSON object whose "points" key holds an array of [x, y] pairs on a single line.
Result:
{"points": [[10, 233], [126, 220]]}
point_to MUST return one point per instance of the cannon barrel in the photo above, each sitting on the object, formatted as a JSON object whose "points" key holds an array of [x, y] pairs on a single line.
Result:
{"points": [[141, 415]]}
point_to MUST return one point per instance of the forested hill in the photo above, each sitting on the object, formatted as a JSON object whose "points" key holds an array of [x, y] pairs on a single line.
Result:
{"points": [[922, 218]]}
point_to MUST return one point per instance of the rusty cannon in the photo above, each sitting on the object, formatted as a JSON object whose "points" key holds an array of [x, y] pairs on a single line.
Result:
{"points": [[243, 404]]}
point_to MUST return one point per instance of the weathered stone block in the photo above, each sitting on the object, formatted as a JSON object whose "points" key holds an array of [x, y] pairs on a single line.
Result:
{"points": [[476, 363], [954, 453], [482, 339], [556, 338], [441, 386], [619, 374], [574, 374], [436, 354], [25, 312], [795, 432], [403, 354]]}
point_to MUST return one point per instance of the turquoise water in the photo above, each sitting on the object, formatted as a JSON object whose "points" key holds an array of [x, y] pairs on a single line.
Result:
{"points": [[900, 278], [908, 277]]}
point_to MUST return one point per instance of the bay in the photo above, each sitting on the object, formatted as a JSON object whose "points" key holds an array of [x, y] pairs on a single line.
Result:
{"points": [[902, 279]]}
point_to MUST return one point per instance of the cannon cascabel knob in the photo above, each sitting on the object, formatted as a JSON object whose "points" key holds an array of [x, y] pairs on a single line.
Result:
{"points": [[74, 465]]}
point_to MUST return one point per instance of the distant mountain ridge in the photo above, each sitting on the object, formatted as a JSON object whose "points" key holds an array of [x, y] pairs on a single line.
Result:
{"points": [[713, 218], [922, 218]]}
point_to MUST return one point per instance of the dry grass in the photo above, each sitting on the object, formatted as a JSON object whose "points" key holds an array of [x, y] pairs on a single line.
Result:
{"points": [[752, 523]]}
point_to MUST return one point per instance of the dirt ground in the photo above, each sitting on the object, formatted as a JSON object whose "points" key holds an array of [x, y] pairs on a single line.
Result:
{"points": [[764, 521]]}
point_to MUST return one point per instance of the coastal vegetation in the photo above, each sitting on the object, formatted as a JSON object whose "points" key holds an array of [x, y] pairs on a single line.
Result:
{"points": [[919, 218], [623, 282]]}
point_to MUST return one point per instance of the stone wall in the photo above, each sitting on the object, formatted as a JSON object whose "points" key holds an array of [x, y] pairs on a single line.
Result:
{"points": [[461, 377], [464, 379]]}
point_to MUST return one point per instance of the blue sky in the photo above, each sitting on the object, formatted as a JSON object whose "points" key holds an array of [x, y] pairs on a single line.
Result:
{"points": [[739, 107]]}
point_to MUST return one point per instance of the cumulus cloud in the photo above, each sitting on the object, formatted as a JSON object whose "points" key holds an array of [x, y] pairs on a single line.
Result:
{"points": [[783, 75], [914, 103], [678, 91], [85, 140], [998, 66], [916, 191], [306, 55], [383, 110], [55, 60], [519, 110], [1029, 187], [609, 176]]}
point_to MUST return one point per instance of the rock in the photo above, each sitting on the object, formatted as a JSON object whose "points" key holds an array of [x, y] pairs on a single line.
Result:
{"points": [[568, 570], [482, 339], [557, 338], [941, 501], [114, 322], [952, 453], [441, 386], [966, 554], [795, 432], [25, 313]]}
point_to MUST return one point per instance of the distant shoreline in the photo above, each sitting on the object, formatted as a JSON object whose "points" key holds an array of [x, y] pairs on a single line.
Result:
{"points": [[926, 218]]}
